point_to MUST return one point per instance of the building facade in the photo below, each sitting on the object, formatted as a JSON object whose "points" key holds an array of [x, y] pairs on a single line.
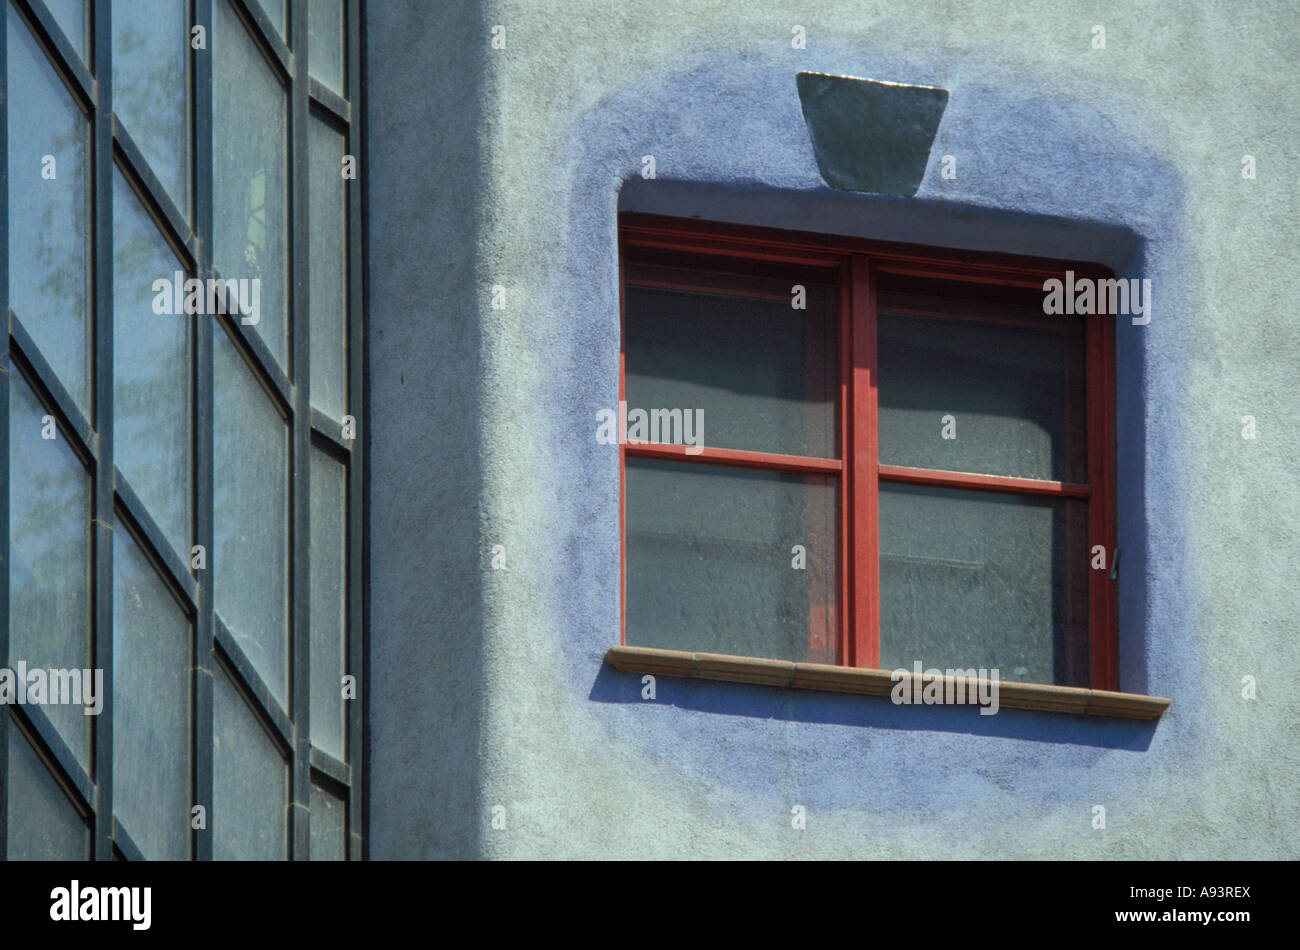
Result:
{"points": [[370, 578]]}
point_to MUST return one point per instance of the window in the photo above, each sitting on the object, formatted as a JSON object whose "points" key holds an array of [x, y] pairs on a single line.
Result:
{"points": [[868, 455], [184, 507]]}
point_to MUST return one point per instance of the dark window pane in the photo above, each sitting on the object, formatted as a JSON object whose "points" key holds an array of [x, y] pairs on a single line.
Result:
{"points": [[151, 372], [329, 268], [1015, 391], [250, 556], [763, 373], [711, 561], [250, 174], [43, 822], [325, 42], [983, 579], [49, 557], [49, 222], [328, 824], [151, 706], [328, 600], [249, 782], [151, 44]]}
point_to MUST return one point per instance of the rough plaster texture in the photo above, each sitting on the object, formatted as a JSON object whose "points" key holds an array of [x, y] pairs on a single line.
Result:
{"points": [[507, 167]]}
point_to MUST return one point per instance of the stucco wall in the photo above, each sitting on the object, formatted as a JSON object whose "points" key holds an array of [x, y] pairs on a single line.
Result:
{"points": [[507, 167]]}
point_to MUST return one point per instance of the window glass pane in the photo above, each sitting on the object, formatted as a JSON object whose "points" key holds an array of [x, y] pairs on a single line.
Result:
{"points": [[762, 372], [151, 371], [328, 822], [49, 276], [972, 579], [1015, 393], [151, 706], [329, 263], [49, 557], [275, 9], [249, 155], [250, 559], [151, 43], [43, 822], [712, 563], [73, 17], [249, 782], [328, 602], [325, 42]]}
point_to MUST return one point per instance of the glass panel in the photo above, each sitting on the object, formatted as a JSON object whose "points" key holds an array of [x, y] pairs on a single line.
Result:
{"points": [[73, 18], [250, 782], [251, 536], [49, 222], [275, 10], [151, 43], [1015, 394], [973, 579], [43, 822], [329, 267], [762, 373], [151, 706], [712, 564], [151, 371], [249, 158], [328, 821], [325, 42], [328, 602], [49, 557]]}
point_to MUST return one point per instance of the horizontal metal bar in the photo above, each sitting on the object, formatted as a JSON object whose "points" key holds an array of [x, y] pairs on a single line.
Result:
{"points": [[69, 62], [155, 196], [42, 379], [174, 562], [273, 378], [123, 841], [272, 713], [51, 744], [326, 98], [327, 765]]}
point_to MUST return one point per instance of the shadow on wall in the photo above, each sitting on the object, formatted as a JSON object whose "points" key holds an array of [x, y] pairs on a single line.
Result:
{"points": [[426, 596]]}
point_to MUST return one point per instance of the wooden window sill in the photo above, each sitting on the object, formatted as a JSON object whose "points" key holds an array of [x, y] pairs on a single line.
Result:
{"points": [[845, 679]]}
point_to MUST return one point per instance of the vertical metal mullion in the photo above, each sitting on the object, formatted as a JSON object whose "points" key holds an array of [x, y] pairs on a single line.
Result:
{"points": [[204, 656], [102, 258], [358, 554], [4, 433], [300, 810]]}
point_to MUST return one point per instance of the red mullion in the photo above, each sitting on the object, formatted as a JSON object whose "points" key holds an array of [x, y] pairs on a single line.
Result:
{"points": [[622, 466], [847, 612], [1102, 628], [863, 471]]}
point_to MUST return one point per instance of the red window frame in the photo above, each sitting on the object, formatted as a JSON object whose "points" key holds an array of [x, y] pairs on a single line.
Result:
{"points": [[858, 264]]}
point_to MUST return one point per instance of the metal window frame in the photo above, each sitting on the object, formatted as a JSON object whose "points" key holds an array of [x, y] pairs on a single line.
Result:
{"points": [[114, 501]]}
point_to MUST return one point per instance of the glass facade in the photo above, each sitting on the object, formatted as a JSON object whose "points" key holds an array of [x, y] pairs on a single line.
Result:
{"points": [[181, 445]]}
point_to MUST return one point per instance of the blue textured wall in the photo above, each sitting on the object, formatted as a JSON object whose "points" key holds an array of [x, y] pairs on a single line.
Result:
{"points": [[488, 689]]}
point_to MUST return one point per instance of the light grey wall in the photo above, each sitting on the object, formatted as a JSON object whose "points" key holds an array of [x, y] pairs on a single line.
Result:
{"points": [[505, 167]]}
